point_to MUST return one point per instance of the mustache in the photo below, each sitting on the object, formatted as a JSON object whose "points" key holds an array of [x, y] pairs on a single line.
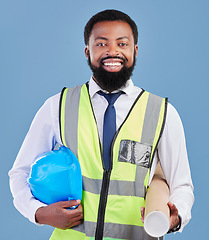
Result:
{"points": [[115, 57]]}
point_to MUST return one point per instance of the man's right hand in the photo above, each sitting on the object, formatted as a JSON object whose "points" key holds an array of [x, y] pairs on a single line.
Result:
{"points": [[57, 215]]}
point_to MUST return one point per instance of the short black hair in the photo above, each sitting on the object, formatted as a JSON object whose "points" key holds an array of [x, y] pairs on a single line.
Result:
{"points": [[109, 15]]}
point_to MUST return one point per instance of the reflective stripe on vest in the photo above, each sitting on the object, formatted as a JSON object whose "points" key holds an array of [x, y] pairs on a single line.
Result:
{"points": [[133, 149], [119, 230]]}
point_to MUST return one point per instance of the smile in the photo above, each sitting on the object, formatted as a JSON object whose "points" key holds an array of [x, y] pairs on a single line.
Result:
{"points": [[112, 64]]}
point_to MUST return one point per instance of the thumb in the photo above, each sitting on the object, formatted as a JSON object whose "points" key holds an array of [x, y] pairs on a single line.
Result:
{"points": [[71, 203]]}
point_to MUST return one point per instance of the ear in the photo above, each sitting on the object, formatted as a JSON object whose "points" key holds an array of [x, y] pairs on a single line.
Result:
{"points": [[86, 51], [136, 50]]}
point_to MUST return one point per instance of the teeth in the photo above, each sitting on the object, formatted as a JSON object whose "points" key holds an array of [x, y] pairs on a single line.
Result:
{"points": [[112, 64]]}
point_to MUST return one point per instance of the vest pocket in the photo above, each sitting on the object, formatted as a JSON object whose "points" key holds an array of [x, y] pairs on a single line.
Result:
{"points": [[135, 152]]}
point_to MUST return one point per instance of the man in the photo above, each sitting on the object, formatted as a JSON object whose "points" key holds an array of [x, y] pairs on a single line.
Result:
{"points": [[115, 174]]}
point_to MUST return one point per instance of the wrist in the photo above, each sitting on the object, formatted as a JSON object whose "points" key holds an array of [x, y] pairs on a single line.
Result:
{"points": [[39, 215]]}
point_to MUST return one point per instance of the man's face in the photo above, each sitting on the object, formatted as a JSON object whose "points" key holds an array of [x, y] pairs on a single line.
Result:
{"points": [[111, 51]]}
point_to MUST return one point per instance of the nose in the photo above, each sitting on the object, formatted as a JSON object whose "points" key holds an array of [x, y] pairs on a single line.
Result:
{"points": [[112, 50]]}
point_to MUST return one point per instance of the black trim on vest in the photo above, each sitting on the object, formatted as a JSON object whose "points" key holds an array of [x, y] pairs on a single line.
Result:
{"points": [[60, 104], [100, 145], [161, 132]]}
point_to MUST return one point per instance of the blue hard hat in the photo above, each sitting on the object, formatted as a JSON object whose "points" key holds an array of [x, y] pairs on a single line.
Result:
{"points": [[56, 176]]}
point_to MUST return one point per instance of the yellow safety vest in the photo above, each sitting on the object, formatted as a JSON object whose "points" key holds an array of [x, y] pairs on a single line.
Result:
{"points": [[111, 198]]}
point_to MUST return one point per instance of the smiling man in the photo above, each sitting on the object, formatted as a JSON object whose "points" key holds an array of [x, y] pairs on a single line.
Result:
{"points": [[119, 133]]}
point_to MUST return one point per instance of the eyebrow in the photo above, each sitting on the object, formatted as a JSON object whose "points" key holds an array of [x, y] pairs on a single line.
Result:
{"points": [[123, 38], [104, 38]]}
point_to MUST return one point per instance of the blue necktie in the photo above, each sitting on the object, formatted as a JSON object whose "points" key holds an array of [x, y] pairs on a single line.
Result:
{"points": [[109, 126]]}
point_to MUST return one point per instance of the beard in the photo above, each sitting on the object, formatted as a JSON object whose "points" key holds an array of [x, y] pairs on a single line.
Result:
{"points": [[111, 81]]}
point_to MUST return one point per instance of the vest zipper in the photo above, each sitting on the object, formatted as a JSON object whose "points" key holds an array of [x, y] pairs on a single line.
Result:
{"points": [[102, 205], [106, 181]]}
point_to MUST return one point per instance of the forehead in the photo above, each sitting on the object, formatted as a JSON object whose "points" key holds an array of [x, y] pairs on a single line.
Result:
{"points": [[111, 30]]}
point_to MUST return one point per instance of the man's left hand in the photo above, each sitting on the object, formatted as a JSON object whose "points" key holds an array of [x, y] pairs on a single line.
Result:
{"points": [[174, 217]]}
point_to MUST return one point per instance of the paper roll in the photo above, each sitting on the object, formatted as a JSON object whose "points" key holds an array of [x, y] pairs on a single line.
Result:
{"points": [[157, 213]]}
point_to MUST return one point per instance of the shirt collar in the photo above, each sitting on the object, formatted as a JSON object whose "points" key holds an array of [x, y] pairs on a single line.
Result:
{"points": [[94, 87]]}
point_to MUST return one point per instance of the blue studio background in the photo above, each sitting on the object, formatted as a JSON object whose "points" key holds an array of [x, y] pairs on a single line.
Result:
{"points": [[42, 50]]}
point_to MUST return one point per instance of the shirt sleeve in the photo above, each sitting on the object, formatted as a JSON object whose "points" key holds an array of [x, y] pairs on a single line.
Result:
{"points": [[41, 137], [172, 154]]}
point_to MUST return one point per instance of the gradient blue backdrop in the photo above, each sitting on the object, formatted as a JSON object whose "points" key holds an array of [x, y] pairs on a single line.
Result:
{"points": [[42, 50]]}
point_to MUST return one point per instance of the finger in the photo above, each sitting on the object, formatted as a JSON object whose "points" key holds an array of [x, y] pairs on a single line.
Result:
{"points": [[78, 208], [174, 221], [142, 213], [70, 224], [77, 218], [77, 212], [173, 209], [74, 223], [174, 218], [170, 205], [71, 203], [74, 220]]}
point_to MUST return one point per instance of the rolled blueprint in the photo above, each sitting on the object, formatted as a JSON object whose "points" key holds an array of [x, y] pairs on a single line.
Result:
{"points": [[157, 213]]}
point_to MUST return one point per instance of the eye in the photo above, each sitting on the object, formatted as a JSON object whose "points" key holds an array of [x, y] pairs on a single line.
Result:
{"points": [[101, 44], [123, 44]]}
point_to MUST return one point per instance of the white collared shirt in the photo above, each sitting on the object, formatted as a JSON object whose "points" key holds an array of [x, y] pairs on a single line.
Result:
{"points": [[44, 133]]}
